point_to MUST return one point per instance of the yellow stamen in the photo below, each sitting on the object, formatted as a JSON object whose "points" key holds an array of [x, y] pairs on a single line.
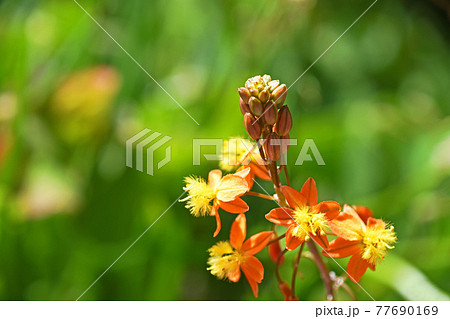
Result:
{"points": [[224, 259], [377, 240], [308, 223], [200, 196]]}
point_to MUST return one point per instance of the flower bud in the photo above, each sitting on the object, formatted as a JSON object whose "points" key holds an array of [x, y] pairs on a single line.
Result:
{"points": [[254, 91], [284, 123], [245, 94], [272, 146], [264, 96], [252, 126], [267, 78], [270, 114], [287, 291], [244, 106], [279, 95], [256, 106], [275, 252], [273, 85]]}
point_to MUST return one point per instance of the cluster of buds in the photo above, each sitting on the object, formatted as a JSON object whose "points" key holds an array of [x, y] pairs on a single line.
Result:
{"points": [[265, 115]]}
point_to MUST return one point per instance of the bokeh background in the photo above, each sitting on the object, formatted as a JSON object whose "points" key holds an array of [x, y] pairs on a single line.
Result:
{"points": [[377, 106]]}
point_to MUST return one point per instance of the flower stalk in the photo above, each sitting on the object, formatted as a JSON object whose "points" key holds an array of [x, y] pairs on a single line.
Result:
{"points": [[268, 122]]}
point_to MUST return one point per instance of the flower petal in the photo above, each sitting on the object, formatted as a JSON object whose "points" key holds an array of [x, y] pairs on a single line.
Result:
{"points": [[260, 171], [214, 177], [215, 212], [356, 267], [347, 225], [309, 190], [375, 223], [238, 231], [237, 206], [247, 176], [330, 208], [294, 198], [257, 242], [363, 212], [254, 272], [230, 187], [320, 240], [243, 172], [281, 216], [235, 276], [292, 242], [340, 248], [253, 268], [253, 285]]}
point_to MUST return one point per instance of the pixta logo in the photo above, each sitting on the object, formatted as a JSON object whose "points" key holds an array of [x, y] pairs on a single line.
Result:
{"points": [[146, 142]]}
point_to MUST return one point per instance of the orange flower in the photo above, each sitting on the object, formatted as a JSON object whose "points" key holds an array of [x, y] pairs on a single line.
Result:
{"points": [[305, 218], [228, 258], [220, 192], [366, 243]]}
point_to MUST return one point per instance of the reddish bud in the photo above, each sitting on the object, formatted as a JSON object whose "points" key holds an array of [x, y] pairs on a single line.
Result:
{"points": [[270, 114], [244, 106], [275, 252], [252, 126], [256, 106], [245, 94], [279, 95], [272, 146], [284, 123]]}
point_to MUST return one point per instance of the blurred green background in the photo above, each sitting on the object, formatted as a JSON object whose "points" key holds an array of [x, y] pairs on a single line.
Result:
{"points": [[377, 106]]}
